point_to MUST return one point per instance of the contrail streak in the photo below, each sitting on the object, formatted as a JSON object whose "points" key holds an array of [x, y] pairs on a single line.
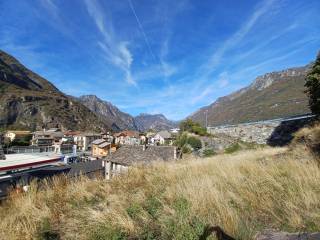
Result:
{"points": [[142, 30]]}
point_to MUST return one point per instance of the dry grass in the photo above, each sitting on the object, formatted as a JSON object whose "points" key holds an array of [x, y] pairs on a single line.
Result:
{"points": [[242, 192]]}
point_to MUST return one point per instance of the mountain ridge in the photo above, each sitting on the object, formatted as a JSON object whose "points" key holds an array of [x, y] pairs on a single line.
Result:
{"points": [[29, 101], [121, 120], [271, 95]]}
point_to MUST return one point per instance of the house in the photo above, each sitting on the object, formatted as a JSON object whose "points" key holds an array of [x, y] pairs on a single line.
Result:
{"points": [[101, 148], [47, 137], [163, 137], [129, 155], [127, 138], [84, 140], [108, 137], [17, 135]]}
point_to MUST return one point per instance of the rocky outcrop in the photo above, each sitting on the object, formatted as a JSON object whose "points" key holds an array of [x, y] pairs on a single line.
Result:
{"points": [[28, 101], [273, 95]]}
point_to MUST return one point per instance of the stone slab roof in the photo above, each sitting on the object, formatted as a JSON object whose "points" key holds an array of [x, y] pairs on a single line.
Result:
{"points": [[164, 134], [78, 169], [98, 141], [129, 155]]}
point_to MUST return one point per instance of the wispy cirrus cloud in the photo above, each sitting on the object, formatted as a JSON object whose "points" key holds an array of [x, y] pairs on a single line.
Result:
{"points": [[51, 7], [232, 41], [116, 51]]}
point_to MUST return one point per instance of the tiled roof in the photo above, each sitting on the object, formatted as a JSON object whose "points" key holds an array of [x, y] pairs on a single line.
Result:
{"points": [[129, 155]]}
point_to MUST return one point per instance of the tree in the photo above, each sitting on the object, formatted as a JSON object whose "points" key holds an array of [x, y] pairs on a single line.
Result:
{"points": [[313, 86], [193, 127]]}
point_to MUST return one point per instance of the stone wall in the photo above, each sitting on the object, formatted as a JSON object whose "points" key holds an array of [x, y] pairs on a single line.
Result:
{"points": [[276, 132]]}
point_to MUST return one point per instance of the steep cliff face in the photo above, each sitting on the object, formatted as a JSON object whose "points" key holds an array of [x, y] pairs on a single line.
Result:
{"points": [[31, 102], [107, 110], [273, 95]]}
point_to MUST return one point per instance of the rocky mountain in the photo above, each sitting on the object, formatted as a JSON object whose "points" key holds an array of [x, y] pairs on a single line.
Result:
{"points": [[273, 95], [121, 120], [28, 101], [106, 110], [144, 122]]}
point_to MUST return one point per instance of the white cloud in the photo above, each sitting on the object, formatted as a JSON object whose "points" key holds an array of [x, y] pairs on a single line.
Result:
{"points": [[117, 52], [223, 80], [216, 57]]}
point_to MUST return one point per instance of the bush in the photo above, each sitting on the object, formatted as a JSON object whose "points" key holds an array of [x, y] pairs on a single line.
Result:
{"points": [[313, 87], [208, 152], [232, 148], [195, 143], [193, 127]]}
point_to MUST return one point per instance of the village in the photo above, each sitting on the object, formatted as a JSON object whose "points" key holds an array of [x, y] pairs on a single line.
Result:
{"points": [[52, 151]]}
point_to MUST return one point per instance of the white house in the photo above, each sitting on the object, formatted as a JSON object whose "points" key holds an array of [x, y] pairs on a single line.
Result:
{"points": [[163, 137]]}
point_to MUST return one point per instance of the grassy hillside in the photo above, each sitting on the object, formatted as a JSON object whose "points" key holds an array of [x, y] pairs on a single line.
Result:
{"points": [[243, 193], [274, 95]]}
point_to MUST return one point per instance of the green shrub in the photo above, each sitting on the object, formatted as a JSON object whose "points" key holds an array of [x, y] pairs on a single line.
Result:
{"points": [[194, 142], [233, 148], [208, 152], [193, 127], [313, 86]]}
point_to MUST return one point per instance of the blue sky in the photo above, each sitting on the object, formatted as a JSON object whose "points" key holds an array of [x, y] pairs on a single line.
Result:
{"points": [[159, 56]]}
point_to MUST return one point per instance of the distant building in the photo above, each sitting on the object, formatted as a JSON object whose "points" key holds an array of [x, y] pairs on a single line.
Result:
{"points": [[84, 140], [108, 137], [127, 138], [163, 137], [101, 148], [127, 156], [175, 130], [17, 135]]}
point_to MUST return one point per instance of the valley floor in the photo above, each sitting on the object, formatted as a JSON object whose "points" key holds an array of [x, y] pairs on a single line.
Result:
{"points": [[244, 193]]}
